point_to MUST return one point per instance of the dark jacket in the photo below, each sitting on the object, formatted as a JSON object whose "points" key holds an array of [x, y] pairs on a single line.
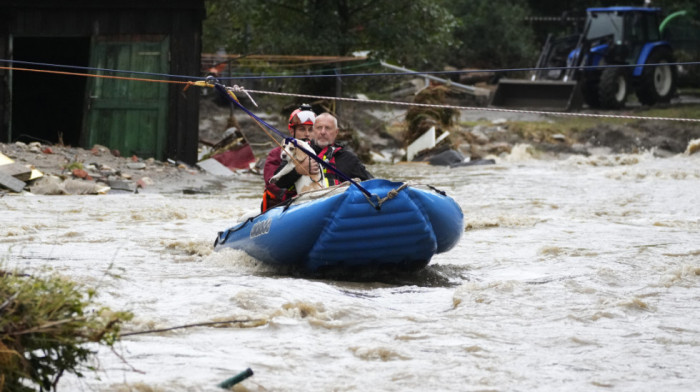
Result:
{"points": [[273, 195], [272, 162]]}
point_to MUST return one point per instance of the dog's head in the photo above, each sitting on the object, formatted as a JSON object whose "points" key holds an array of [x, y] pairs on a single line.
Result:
{"points": [[288, 151], [291, 150]]}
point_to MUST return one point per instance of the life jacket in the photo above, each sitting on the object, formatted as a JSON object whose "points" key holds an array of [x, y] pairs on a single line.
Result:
{"points": [[270, 200], [330, 177]]}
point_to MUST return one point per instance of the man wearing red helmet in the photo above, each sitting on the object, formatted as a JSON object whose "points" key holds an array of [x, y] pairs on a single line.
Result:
{"points": [[300, 126]]}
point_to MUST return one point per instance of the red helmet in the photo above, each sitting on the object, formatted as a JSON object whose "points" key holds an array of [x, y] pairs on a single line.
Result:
{"points": [[303, 115]]}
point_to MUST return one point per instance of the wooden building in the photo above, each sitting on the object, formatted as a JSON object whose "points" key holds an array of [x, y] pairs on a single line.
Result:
{"points": [[145, 37]]}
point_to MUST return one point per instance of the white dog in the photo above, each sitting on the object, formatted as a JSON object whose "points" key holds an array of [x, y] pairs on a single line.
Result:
{"points": [[305, 183]]}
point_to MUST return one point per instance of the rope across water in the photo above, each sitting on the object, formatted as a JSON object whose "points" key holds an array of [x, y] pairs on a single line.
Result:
{"points": [[357, 100], [488, 109]]}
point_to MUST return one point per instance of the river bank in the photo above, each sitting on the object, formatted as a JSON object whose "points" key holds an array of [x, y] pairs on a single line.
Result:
{"points": [[378, 136]]}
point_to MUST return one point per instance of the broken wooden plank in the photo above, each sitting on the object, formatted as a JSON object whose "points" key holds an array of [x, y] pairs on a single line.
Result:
{"points": [[17, 170], [215, 167], [11, 183], [5, 160]]}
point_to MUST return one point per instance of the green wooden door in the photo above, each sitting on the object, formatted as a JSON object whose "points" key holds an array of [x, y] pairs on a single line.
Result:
{"points": [[128, 115]]}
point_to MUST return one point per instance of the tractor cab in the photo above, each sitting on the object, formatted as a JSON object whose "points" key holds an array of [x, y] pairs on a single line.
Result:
{"points": [[618, 34]]}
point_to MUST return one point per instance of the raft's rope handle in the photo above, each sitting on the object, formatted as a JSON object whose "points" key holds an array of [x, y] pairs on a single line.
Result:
{"points": [[211, 81], [390, 195]]}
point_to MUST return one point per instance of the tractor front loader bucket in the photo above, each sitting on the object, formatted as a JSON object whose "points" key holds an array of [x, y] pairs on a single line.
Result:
{"points": [[537, 95]]}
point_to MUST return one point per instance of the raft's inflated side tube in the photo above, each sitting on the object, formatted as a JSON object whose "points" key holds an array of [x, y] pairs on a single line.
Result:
{"points": [[445, 215], [282, 236], [347, 231]]}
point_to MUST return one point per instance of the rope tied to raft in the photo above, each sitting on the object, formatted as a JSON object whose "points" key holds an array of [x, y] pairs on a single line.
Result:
{"points": [[389, 195]]}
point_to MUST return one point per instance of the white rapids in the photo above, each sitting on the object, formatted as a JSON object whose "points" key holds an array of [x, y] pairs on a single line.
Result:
{"points": [[573, 274]]}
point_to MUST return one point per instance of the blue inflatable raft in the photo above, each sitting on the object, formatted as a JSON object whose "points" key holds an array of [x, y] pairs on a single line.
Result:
{"points": [[400, 227]]}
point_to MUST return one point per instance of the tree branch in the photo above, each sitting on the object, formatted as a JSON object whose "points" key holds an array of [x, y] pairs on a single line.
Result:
{"points": [[192, 325]]}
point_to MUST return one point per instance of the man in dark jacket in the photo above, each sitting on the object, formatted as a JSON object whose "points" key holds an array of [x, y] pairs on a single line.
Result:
{"points": [[324, 135]]}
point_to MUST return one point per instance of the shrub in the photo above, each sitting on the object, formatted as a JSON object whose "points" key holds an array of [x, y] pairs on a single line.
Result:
{"points": [[45, 325]]}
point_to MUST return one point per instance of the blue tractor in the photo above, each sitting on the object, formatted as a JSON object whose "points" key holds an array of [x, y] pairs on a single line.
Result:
{"points": [[612, 36]]}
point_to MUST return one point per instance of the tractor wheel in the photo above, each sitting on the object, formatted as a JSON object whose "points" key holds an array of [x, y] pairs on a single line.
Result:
{"points": [[612, 90], [657, 84], [589, 90]]}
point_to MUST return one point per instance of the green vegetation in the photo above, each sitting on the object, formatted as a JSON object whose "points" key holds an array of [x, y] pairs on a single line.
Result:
{"points": [[677, 111], [419, 34], [73, 165], [573, 126], [424, 35], [329, 28], [568, 124], [45, 325]]}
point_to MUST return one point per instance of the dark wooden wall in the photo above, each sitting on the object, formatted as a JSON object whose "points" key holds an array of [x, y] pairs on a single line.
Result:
{"points": [[181, 20]]}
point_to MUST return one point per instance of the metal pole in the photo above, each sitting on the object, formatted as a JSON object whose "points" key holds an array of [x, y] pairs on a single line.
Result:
{"points": [[10, 77], [476, 91], [338, 89]]}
